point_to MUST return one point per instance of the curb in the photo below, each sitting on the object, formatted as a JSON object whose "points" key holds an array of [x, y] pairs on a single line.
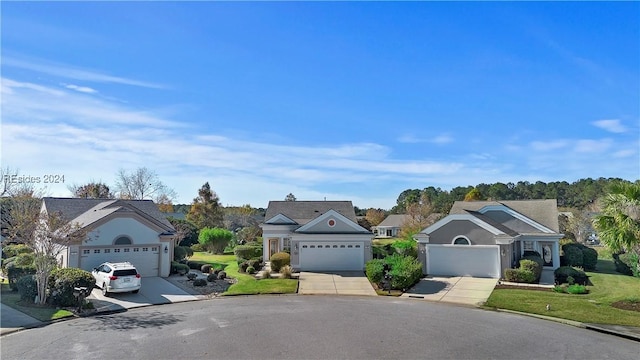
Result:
{"points": [[574, 323]]}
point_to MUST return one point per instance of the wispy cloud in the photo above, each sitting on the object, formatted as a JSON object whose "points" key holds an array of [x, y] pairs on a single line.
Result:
{"points": [[612, 125], [70, 72], [82, 89], [439, 139]]}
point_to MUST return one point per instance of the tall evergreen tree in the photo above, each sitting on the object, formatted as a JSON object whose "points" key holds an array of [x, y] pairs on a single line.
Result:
{"points": [[206, 210]]}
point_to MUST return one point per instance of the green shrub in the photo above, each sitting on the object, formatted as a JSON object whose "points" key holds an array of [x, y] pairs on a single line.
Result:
{"points": [[62, 282], [405, 272], [406, 248], [215, 239], [222, 275], [15, 250], [247, 252], [27, 287], [199, 282], [589, 258], [179, 253], [278, 260], [577, 289], [564, 272], [626, 263], [286, 271], [15, 272], [212, 277], [558, 289], [520, 275], [195, 265], [256, 263], [178, 268], [206, 268], [24, 259], [572, 254], [242, 267], [192, 276], [532, 266], [250, 270], [198, 247], [379, 251], [375, 270], [535, 256]]}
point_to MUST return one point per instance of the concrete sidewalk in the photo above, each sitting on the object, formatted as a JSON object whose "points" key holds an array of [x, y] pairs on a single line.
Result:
{"points": [[12, 320]]}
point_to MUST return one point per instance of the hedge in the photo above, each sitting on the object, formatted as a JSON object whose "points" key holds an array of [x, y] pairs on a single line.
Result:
{"points": [[62, 282], [27, 287], [405, 272], [15, 272], [375, 270], [589, 258], [519, 275], [279, 260], [406, 248], [534, 267], [247, 252], [564, 272], [15, 250], [572, 255], [537, 269]]}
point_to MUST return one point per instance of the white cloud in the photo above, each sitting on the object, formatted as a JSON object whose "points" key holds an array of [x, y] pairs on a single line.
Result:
{"points": [[82, 89], [70, 72], [549, 145], [442, 139], [612, 125], [592, 146], [412, 139]]}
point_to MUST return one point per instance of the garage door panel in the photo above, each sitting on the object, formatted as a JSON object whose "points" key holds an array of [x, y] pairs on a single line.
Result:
{"points": [[145, 258], [331, 256], [462, 260]]}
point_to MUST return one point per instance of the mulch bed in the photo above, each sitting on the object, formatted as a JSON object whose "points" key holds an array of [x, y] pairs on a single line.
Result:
{"points": [[523, 287], [627, 305], [212, 289]]}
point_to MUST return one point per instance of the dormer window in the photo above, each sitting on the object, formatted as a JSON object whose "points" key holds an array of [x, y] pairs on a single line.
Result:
{"points": [[461, 240]]}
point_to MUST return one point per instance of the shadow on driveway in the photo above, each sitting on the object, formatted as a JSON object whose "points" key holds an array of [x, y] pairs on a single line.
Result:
{"points": [[428, 287]]}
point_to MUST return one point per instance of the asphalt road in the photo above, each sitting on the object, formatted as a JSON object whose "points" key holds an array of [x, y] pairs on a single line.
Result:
{"points": [[312, 327]]}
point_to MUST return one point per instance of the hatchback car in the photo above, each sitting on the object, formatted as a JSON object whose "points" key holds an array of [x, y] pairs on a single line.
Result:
{"points": [[117, 277]]}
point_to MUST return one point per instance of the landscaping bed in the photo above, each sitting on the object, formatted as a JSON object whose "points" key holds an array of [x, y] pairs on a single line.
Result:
{"points": [[627, 305], [212, 289]]}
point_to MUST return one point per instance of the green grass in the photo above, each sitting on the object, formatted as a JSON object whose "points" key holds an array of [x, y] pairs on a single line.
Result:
{"points": [[42, 313], [246, 284], [594, 307]]}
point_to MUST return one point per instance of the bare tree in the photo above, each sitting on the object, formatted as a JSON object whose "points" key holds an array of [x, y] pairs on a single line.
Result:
{"points": [[420, 215], [142, 184], [46, 234], [13, 184]]}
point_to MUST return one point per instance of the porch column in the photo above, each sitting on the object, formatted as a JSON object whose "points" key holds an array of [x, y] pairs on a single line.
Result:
{"points": [[556, 254]]}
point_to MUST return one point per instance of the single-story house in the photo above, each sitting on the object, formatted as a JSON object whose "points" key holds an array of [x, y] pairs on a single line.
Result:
{"points": [[483, 238], [390, 226], [319, 235], [117, 230]]}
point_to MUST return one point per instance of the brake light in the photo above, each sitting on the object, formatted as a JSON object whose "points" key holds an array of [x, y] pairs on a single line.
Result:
{"points": [[113, 277], [138, 276]]}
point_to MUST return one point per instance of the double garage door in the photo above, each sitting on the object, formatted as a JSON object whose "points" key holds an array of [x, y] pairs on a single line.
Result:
{"points": [[331, 256], [464, 260], [144, 257]]}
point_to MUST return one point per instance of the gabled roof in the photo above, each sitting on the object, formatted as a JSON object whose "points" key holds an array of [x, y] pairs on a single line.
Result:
{"points": [[394, 220], [88, 211], [348, 226], [304, 211], [544, 212]]}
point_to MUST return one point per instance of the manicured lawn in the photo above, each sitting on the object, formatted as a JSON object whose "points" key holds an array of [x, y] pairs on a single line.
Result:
{"points": [[42, 313], [247, 284], [595, 307]]}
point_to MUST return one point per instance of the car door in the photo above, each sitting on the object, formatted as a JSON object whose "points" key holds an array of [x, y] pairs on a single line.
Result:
{"points": [[97, 275]]}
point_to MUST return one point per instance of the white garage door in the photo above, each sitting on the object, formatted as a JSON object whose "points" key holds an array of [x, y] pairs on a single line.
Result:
{"points": [[144, 257], [464, 260], [331, 256]]}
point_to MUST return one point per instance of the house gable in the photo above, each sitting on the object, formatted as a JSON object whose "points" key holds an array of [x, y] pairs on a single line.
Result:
{"points": [[477, 232], [332, 222], [281, 219]]}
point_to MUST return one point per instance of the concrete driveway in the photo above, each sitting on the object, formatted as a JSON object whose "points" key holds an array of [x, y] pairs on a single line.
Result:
{"points": [[154, 291], [12, 320], [334, 283], [456, 289]]}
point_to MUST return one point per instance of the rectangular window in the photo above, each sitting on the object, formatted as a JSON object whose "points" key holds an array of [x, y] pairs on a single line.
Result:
{"points": [[106, 251], [286, 243], [96, 251], [527, 246], [126, 250], [154, 249], [136, 249], [86, 251], [116, 250]]}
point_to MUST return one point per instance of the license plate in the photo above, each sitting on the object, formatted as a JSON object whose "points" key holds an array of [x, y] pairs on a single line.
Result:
{"points": [[126, 279]]}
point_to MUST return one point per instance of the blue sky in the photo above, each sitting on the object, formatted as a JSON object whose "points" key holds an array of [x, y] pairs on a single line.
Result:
{"points": [[343, 101]]}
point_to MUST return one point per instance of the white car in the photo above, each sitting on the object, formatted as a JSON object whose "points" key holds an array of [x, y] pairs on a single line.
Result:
{"points": [[117, 277]]}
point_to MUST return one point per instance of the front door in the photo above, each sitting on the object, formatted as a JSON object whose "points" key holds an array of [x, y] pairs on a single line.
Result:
{"points": [[273, 246], [547, 254]]}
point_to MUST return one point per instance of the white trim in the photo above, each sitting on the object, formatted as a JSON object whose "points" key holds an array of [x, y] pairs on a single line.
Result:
{"points": [[280, 220], [516, 215], [326, 216], [468, 217], [460, 237]]}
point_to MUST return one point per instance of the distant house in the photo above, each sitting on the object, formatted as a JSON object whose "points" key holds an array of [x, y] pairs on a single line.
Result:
{"points": [[319, 235], [118, 230], [483, 238], [390, 226]]}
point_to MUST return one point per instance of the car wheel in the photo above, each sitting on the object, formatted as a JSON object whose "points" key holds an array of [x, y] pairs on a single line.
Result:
{"points": [[135, 291], [104, 290]]}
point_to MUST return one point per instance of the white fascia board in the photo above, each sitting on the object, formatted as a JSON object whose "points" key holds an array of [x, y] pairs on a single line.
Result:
{"points": [[280, 220], [328, 214], [468, 217], [516, 215]]}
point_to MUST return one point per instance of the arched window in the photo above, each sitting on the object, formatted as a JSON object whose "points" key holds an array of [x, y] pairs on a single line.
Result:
{"points": [[123, 240], [461, 240]]}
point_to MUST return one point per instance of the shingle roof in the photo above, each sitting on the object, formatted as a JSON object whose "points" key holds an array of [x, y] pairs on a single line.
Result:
{"points": [[544, 212], [87, 211], [304, 211], [394, 220]]}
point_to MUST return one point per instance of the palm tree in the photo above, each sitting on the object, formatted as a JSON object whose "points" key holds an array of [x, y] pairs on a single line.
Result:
{"points": [[618, 225]]}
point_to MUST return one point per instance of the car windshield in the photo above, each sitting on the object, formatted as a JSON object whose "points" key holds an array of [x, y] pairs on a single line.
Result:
{"points": [[126, 272]]}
